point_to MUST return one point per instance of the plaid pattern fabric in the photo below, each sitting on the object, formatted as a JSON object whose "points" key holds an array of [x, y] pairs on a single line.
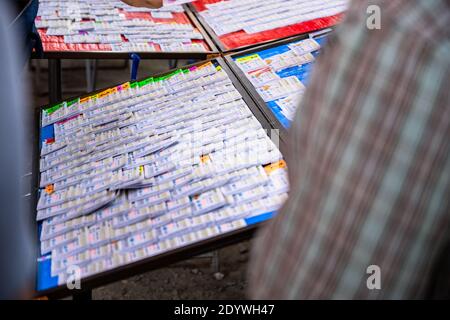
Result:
{"points": [[369, 163]]}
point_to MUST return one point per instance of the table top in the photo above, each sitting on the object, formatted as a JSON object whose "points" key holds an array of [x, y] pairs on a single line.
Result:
{"points": [[48, 286], [240, 40], [55, 48]]}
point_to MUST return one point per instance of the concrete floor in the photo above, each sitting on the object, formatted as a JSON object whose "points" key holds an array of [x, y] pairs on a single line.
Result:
{"points": [[190, 279]]}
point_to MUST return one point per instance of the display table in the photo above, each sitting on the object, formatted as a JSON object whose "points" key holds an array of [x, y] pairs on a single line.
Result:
{"points": [[55, 49]]}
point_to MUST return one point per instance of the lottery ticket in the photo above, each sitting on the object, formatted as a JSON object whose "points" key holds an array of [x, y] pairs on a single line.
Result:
{"points": [[280, 88]]}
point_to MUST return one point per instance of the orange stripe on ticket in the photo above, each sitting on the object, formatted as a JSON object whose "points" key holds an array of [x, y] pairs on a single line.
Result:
{"points": [[275, 166]]}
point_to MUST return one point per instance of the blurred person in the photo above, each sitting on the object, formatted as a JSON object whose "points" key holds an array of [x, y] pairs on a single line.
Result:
{"points": [[369, 164], [16, 244]]}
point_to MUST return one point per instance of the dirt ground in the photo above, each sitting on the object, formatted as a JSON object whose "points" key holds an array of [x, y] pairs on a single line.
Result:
{"points": [[190, 279]]}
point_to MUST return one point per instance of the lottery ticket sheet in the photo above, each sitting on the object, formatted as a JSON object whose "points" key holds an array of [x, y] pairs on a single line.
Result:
{"points": [[147, 167], [240, 23], [113, 26], [279, 74]]}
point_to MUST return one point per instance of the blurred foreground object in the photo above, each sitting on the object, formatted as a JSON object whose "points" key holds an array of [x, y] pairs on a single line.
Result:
{"points": [[15, 235], [369, 164]]}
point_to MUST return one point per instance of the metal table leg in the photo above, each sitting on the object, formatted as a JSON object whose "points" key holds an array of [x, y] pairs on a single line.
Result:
{"points": [[54, 80], [91, 74]]}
